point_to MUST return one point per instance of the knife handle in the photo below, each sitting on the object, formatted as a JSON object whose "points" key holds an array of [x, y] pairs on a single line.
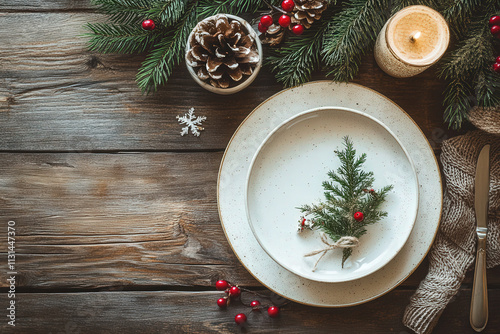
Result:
{"points": [[479, 301]]}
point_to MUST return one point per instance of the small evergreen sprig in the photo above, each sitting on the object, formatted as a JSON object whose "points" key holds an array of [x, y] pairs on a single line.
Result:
{"points": [[348, 191]]}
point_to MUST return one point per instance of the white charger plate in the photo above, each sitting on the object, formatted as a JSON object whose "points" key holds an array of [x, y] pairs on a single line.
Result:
{"points": [[231, 189], [288, 170]]}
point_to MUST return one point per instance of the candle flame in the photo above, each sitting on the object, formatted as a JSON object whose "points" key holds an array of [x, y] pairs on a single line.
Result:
{"points": [[414, 36]]}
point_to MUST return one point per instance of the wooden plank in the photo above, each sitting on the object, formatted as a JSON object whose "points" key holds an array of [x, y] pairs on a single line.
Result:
{"points": [[91, 220], [86, 221], [56, 96], [45, 5], [196, 312]]}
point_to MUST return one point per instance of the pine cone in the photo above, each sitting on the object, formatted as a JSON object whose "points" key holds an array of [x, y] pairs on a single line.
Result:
{"points": [[307, 11], [222, 50]]}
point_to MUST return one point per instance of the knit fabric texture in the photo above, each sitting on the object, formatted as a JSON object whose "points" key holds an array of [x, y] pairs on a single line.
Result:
{"points": [[486, 119], [453, 252]]}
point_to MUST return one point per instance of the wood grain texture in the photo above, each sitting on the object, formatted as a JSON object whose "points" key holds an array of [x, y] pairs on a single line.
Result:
{"points": [[87, 221], [57, 96], [196, 312], [147, 221]]}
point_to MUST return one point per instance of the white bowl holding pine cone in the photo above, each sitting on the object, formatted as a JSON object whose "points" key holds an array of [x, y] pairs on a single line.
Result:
{"points": [[223, 54]]}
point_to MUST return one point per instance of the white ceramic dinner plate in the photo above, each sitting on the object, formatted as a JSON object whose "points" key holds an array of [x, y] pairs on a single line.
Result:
{"points": [[288, 170], [232, 185]]}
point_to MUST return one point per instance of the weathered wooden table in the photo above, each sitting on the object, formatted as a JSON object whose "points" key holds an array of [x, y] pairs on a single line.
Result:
{"points": [[116, 221]]}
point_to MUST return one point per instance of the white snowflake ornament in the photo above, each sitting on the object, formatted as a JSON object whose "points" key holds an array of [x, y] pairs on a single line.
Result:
{"points": [[192, 123]]}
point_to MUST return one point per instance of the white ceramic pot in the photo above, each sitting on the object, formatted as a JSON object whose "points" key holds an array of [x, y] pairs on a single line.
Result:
{"points": [[245, 82]]}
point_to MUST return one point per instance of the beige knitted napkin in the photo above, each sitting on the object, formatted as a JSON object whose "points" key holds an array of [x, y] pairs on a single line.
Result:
{"points": [[453, 252]]}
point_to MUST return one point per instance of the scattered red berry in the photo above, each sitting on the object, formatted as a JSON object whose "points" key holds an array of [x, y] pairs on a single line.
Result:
{"points": [[222, 302], [240, 318], [255, 304], [266, 21], [298, 29], [495, 30], [221, 285], [284, 21], [234, 291], [148, 24], [495, 20], [498, 59], [273, 311], [496, 67], [288, 5], [262, 29], [359, 216]]}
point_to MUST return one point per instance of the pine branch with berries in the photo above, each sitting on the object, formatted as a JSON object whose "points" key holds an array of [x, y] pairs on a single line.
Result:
{"points": [[294, 62], [470, 68], [350, 201]]}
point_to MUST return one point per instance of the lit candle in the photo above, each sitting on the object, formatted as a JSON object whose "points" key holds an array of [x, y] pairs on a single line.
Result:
{"points": [[411, 41]]}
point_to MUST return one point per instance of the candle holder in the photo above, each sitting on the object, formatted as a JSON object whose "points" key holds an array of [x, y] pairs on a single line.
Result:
{"points": [[411, 41]]}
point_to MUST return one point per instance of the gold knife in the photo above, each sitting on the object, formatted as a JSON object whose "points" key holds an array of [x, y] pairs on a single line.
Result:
{"points": [[479, 301]]}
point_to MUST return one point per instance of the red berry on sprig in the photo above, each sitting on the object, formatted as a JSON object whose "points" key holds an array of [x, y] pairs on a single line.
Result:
{"points": [[222, 302], [273, 311], [496, 67], [298, 29], [221, 285], [266, 21], [261, 27], [255, 304], [234, 291], [498, 59], [148, 24], [495, 20], [359, 216], [495, 30], [240, 318], [284, 21], [288, 5]]}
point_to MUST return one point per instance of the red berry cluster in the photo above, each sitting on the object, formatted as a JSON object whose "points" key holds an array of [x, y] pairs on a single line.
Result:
{"points": [[495, 26], [496, 66], [233, 292], [284, 20]]}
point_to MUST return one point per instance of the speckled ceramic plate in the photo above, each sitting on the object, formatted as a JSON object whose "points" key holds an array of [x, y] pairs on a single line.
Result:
{"points": [[232, 186], [288, 170]]}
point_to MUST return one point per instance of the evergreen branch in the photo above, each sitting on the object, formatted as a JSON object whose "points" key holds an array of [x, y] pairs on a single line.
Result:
{"points": [[169, 52], [350, 34], [458, 13], [114, 38], [235, 7], [135, 11], [346, 193], [488, 88], [400, 4], [465, 70], [458, 102], [294, 62], [124, 11], [169, 11]]}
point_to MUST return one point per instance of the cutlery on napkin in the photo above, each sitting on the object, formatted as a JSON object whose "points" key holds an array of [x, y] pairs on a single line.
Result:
{"points": [[479, 301], [453, 251]]}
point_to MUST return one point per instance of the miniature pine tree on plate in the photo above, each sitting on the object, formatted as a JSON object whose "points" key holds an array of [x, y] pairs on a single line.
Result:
{"points": [[350, 204]]}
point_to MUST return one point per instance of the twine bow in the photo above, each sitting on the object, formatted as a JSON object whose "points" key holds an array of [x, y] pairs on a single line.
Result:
{"points": [[344, 242]]}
